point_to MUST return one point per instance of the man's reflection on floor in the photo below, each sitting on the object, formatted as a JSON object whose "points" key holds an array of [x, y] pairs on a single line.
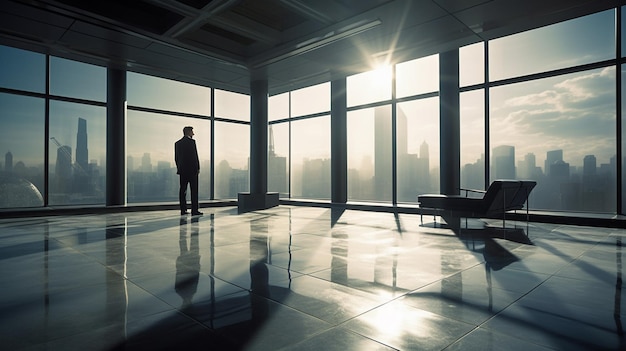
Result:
{"points": [[259, 274], [188, 262]]}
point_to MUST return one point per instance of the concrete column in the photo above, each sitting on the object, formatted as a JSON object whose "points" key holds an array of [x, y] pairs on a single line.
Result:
{"points": [[116, 137], [258, 197], [258, 135], [450, 154], [338, 141]]}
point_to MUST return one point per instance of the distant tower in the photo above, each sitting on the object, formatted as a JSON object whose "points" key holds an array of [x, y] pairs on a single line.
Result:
{"points": [[82, 153], [8, 162], [146, 163], [424, 153], [589, 171], [552, 157], [503, 162], [271, 146], [276, 168]]}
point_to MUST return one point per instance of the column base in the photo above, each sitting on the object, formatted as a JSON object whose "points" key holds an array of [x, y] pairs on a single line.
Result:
{"points": [[247, 202]]}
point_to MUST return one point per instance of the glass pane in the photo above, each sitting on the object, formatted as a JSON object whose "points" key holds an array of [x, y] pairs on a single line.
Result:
{"points": [[575, 42], [310, 158], [77, 154], [232, 157], [623, 30], [278, 107], [472, 64], [168, 95], [368, 87], [562, 130], [77, 79], [277, 158], [150, 167], [22, 145], [310, 100], [232, 105], [22, 70], [417, 76], [473, 139], [418, 162], [369, 154], [623, 146]]}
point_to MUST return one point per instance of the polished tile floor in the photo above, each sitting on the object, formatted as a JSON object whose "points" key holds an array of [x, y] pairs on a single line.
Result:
{"points": [[303, 278]]}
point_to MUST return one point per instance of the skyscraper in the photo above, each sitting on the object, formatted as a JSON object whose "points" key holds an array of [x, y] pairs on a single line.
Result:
{"points": [[276, 168], [503, 162], [8, 162], [589, 172], [82, 152], [552, 157]]}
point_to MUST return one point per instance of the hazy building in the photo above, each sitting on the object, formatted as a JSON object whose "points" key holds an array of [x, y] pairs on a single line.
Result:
{"points": [[82, 150], [146, 163], [552, 157], [8, 162], [382, 153], [276, 169], [589, 172], [503, 162]]}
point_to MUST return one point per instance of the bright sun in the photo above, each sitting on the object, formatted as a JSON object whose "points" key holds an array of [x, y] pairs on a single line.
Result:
{"points": [[382, 74]]}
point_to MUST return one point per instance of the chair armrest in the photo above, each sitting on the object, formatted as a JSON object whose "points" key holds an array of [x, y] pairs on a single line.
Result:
{"points": [[467, 191]]}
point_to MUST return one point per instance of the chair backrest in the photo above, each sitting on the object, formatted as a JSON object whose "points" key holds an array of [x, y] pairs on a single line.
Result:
{"points": [[504, 192], [517, 203]]}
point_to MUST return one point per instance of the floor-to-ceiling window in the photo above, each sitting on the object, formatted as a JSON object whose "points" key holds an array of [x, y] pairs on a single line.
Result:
{"points": [[417, 128], [558, 125], [278, 145], [623, 109], [472, 116], [369, 137], [59, 107], [77, 160], [383, 125], [22, 140], [299, 143], [158, 109], [232, 144], [623, 133]]}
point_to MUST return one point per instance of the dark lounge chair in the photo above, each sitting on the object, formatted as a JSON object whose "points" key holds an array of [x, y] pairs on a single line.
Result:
{"points": [[500, 197]]}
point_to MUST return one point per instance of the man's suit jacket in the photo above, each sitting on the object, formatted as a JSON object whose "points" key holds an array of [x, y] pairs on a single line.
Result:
{"points": [[186, 156]]}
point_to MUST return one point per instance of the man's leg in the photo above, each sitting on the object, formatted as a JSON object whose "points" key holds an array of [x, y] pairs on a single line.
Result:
{"points": [[182, 194], [193, 185]]}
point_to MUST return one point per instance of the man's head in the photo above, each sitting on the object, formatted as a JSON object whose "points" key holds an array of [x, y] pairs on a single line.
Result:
{"points": [[188, 131]]}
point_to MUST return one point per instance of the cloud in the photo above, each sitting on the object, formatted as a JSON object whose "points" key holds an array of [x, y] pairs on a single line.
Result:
{"points": [[575, 113]]}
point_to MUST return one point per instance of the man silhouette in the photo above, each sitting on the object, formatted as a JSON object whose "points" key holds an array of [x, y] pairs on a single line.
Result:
{"points": [[187, 167]]}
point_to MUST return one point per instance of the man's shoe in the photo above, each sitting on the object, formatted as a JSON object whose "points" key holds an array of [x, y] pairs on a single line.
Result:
{"points": [[182, 213], [197, 213]]}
